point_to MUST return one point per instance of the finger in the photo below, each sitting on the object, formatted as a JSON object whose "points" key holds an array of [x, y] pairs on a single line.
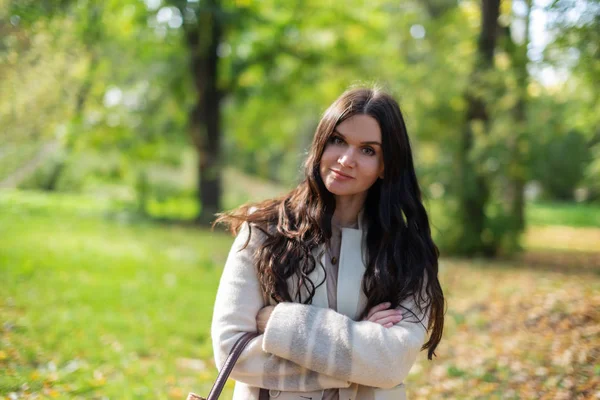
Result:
{"points": [[389, 325], [380, 315], [377, 308], [393, 319], [383, 314]]}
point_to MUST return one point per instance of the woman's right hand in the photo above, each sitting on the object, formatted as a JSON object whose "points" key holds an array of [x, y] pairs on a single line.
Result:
{"points": [[262, 318], [383, 315]]}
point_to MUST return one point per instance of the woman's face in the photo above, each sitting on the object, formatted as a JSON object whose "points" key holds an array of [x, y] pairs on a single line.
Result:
{"points": [[353, 160]]}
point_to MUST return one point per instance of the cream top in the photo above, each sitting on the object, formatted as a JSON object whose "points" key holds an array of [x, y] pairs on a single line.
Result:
{"points": [[332, 279]]}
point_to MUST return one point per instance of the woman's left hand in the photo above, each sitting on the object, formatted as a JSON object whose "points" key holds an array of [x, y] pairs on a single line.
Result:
{"points": [[383, 315], [263, 317]]}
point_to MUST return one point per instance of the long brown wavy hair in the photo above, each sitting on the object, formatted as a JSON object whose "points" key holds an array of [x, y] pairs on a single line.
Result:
{"points": [[401, 259]]}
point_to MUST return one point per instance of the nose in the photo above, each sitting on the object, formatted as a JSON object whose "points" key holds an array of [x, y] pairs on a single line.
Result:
{"points": [[347, 159]]}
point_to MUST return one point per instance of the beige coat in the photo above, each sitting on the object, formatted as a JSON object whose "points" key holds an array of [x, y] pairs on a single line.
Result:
{"points": [[308, 348]]}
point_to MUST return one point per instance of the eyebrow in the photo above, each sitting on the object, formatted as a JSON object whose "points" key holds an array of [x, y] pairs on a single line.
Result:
{"points": [[342, 135]]}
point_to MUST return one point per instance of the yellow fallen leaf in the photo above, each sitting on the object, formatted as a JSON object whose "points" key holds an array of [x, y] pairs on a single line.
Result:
{"points": [[176, 393]]}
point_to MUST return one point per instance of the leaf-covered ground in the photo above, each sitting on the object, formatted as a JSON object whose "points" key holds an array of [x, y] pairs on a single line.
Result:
{"points": [[94, 305], [515, 333]]}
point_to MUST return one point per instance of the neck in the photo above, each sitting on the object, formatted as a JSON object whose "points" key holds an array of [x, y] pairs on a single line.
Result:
{"points": [[347, 210]]}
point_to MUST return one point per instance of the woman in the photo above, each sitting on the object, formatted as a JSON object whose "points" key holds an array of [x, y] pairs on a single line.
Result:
{"points": [[340, 275]]}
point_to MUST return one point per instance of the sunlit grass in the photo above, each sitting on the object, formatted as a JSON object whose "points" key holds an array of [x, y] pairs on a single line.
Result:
{"points": [[565, 214], [92, 307]]}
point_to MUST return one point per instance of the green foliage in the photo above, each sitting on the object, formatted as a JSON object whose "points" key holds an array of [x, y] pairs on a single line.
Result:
{"points": [[112, 78], [45, 177], [79, 172], [573, 50], [560, 164], [592, 174]]}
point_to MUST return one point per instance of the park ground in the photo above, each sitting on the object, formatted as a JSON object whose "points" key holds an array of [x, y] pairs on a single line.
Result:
{"points": [[96, 303]]}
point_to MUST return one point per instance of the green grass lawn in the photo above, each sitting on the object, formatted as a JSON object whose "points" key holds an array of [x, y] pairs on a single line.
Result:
{"points": [[565, 214], [96, 305]]}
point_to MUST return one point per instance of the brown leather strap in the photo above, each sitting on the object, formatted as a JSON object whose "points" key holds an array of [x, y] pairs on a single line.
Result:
{"points": [[264, 394], [235, 353]]}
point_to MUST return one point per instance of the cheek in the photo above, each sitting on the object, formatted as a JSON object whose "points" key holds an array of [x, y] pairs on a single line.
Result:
{"points": [[325, 162], [328, 155], [373, 166]]}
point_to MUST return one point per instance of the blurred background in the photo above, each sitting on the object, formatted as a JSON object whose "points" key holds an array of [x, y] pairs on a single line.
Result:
{"points": [[125, 125]]}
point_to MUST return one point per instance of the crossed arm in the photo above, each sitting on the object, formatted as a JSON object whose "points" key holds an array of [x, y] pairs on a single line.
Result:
{"points": [[239, 300], [305, 347]]}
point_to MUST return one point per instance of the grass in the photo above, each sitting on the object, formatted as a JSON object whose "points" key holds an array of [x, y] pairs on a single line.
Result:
{"points": [[94, 305], [240, 188], [564, 214]]}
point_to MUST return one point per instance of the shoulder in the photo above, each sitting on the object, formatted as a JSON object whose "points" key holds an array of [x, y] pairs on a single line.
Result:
{"points": [[251, 237]]}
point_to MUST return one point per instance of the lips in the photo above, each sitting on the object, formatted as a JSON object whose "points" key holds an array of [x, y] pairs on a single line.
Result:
{"points": [[342, 175]]}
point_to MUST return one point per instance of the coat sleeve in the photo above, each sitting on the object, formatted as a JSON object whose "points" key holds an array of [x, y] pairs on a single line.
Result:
{"points": [[330, 343], [239, 298]]}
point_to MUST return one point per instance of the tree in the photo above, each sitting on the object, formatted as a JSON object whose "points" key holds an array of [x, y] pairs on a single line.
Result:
{"points": [[574, 52], [213, 31], [512, 113], [203, 37], [474, 190]]}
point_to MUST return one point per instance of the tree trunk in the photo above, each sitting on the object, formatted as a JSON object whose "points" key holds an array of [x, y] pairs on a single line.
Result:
{"points": [[203, 39], [474, 192], [517, 171], [520, 61]]}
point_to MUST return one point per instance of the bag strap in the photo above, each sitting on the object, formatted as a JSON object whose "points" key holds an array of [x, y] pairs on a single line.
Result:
{"points": [[234, 354]]}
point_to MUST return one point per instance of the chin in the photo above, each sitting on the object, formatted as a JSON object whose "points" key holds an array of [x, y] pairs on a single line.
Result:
{"points": [[340, 192], [334, 190]]}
